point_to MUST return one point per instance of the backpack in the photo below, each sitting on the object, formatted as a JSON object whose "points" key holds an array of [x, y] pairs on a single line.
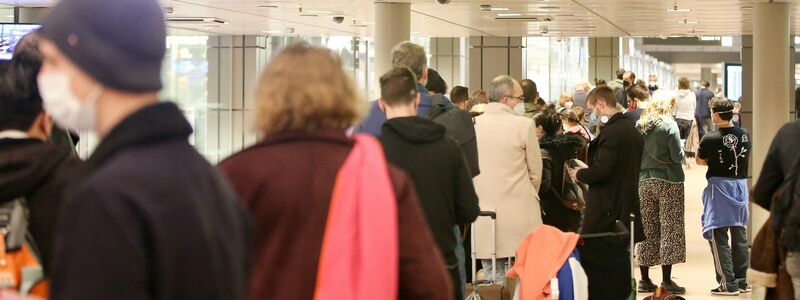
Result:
{"points": [[573, 194], [459, 126], [20, 268]]}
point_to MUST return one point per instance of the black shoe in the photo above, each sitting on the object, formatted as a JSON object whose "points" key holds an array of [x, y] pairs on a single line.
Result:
{"points": [[673, 287], [720, 292], [646, 286]]}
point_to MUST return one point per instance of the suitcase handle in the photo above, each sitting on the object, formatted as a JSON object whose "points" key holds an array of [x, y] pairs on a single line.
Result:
{"points": [[490, 214]]}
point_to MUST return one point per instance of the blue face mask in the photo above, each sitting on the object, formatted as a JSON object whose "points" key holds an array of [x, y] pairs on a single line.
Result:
{"points": [[592, 118]]}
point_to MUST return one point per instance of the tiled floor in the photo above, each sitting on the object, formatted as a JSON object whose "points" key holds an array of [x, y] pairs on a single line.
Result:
{"points": [[697, 274]]}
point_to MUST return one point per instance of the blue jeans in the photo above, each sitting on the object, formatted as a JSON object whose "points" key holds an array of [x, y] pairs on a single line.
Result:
{"points": [[730, 260]]}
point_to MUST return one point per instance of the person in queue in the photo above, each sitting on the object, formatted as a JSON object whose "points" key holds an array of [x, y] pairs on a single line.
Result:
{"points": [[557, 148], [434, 162], [511, 173], [146, 217], [404, 55], [615, 157], [726, 213], [306, 183], [33, 167], [661, 193]]}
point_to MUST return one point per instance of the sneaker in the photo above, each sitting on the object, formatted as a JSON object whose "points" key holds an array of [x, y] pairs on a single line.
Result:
{"points": [[745, 288], [673, 287], [646, 286], [719, 292]]}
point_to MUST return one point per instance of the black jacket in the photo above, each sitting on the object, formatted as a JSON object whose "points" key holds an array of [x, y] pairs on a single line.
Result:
{"points": [[780, 158], [38, 172], [439, 172], [615, 158], [555, 151], [150, 218], [459, 126]]}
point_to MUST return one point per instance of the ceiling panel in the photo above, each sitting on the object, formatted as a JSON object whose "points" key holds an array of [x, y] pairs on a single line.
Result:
{"points": [[465, 18]]}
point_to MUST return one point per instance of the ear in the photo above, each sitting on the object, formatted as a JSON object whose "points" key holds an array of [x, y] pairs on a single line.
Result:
{"points": [[382, 105], [424, 74]]}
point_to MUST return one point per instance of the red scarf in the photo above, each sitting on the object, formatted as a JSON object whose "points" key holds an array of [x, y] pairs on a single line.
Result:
{"points": [[359, 257]]}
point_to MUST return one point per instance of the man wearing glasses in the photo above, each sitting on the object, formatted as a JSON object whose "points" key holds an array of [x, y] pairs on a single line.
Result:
{"points": [[511, 171]]}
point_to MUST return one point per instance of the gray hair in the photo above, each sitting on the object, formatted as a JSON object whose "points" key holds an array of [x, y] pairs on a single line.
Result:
{"points": [[410, 55], [501, 86]]}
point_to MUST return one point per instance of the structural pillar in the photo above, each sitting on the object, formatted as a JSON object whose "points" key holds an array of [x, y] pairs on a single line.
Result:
{"points": [[771, 84], [448, 57], [604, 54], [392, 26], [705, 74], [493, 56]]}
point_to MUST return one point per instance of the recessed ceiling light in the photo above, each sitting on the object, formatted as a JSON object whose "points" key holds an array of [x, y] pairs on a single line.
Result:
{"points": [[509, 14], [268, 6], [499, 9], [676, 9], [685, 21]]}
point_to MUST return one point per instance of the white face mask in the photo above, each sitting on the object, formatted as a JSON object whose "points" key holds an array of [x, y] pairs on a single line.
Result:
{"points": [[519, 109], [568, 104], [62, 104]]}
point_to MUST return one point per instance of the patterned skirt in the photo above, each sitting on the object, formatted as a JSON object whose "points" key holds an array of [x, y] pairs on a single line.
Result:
{"points": [[662, 214]]}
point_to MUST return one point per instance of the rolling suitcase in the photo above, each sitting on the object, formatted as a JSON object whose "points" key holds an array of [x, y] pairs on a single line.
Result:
{"points": [[486, 289], [633, 269]]}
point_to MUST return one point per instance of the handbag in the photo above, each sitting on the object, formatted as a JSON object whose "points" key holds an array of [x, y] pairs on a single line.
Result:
{"points": [[574, 193]]}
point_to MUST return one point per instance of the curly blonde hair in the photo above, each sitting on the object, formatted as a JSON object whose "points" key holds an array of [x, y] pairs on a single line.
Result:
{"points": [[305, 88], [656, 112]]}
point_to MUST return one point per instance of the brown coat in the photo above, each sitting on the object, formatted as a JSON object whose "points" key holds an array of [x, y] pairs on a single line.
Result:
{"points": [[286, 181]]}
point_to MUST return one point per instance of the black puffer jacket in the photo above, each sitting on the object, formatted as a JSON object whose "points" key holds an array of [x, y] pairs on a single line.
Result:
{"points": [[38, 172], [556, 150]]}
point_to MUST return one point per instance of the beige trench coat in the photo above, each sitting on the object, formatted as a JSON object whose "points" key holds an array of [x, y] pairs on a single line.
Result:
{"points": [[511, 172]]}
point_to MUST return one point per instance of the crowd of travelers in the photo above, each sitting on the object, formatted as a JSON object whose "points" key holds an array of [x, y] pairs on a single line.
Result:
{"points": [[348, 199]]}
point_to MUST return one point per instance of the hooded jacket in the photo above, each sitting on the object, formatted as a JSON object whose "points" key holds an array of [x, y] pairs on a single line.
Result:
{"points": [[439, 172], [557, 149], [37, 172], [685, 105]]}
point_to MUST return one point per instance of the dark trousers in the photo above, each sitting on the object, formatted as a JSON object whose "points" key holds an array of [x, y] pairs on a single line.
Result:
{"points": [[731, 257], [684, 126], [608, 267]]}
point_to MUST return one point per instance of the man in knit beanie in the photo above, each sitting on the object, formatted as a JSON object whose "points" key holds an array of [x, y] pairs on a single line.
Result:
{"points": [[147, 217]]}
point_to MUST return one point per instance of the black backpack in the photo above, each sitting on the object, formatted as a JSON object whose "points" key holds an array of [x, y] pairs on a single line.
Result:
{"points": [[459, 126]]}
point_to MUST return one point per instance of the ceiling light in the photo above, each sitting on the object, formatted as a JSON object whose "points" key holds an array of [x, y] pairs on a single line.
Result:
{"points": [[509, 14], [685, 21], [268, 6], [499, 9], [676, 9]]}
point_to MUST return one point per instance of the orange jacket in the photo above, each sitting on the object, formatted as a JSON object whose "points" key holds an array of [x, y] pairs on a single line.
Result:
{"points": [[539, 257]]}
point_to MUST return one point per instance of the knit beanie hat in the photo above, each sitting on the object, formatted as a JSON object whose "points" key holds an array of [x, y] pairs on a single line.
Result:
{"points": [[119, 43]]}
